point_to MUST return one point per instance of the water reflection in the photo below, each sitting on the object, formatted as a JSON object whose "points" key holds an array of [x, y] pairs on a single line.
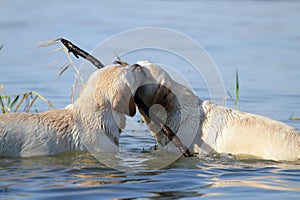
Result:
{"points": [[262, 183], [249, 174], [80, 172]]}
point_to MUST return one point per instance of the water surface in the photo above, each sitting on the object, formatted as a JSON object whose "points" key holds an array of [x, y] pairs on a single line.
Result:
{"points": [[259, 38]]}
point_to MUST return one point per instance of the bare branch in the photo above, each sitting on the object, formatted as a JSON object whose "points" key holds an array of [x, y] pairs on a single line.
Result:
{"points": [[81, 53]]}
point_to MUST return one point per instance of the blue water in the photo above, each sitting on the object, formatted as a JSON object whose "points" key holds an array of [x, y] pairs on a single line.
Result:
{"points": [[79, 176], [259, 38]]}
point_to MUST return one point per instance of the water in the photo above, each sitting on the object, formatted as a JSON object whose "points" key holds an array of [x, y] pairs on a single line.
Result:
{"points": [[259, 38], [79, 175]]}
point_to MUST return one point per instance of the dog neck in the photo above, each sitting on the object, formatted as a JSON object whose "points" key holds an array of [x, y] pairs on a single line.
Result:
{"points": [[98, 124]]}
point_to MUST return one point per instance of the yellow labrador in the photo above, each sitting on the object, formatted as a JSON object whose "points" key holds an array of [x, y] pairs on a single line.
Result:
{"points": [[94, 120], [205, 126]]}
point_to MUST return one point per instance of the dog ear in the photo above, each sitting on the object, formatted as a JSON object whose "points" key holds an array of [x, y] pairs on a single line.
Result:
{"points": [[123, 102], [164, 96], [116, 91]]}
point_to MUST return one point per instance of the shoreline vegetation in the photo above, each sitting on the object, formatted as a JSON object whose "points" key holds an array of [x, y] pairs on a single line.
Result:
{"points": [[26, 101]]}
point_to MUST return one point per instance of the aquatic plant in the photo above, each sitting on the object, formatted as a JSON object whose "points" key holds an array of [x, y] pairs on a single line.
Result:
{"points": [[66, 59], [14, 102], [236, 92], [292, 117]]}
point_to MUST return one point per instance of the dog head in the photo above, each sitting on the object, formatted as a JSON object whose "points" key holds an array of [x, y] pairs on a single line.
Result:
{"points": [[149, 87], [102, 104], [117, 85]]}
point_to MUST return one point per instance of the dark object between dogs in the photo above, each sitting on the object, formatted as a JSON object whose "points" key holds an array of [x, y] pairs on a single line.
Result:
{"points": [[165, 129], [78, 52]]}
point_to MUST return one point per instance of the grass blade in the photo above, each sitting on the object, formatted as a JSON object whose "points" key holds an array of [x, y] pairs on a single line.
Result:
{"points": [[292, 117], [73, 65], [117, 56], [237, 87], [2, 105], [43, 99], [8, 101], [48, 42], [63, 69], [20, 103], [57, 60], [2, 99], [55, 51], [14, 102], [31, 103], [295, 118], [230, 96]]}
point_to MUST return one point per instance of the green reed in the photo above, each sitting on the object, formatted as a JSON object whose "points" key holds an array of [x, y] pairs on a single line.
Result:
{"points": [[236, 92]]}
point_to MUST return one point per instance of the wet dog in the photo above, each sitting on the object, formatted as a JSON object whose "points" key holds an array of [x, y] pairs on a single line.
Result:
{"points": [[206, 127], [94, 120]]}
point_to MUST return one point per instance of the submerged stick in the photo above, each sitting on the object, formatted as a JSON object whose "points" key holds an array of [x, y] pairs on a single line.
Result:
{"points": [[78, 52], [165, 129]]}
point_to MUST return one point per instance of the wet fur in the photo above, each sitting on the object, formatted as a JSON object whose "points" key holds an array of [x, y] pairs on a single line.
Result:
{"points": [[206, 127], [94, 120]]}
